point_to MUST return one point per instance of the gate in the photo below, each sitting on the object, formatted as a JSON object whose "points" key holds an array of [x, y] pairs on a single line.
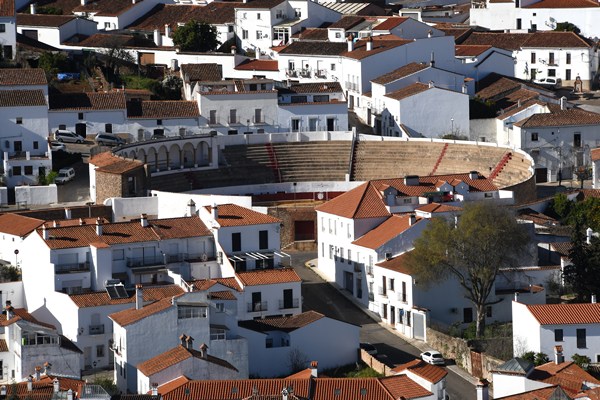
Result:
{"points": [[476, 364], [419, 326]]}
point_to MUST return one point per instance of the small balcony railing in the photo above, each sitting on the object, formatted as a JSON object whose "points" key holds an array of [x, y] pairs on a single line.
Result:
{"points": [[402, 297], [294, 303], [369, 269], [96, 329], [381, 291], [258, 306], [71, 268]]}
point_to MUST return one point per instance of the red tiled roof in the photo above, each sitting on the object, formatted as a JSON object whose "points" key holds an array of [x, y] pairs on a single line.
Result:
{"points": [[397, 264], [566, 314], [386, 231], [20, 76], [547, 393], [202, 72], [106, 7], [438, 208], [556, 39], [401, 386], [149, 294], [173, 14], [222, 295], [567, 375], [88, 101], [232, 389], [431, 373], [408, 91], [175, 356], [162, 109], [268, 276], [205, 284], [22, 98], [258, 65], [347, 22], [381, 44], [113, 164], [399, 73], [286, 324], [110, 40], [21, 314], [312, 87], [564, 4], [133, 315], [7, 8], [18, 225], [46, 20], [471, 50], [234, 215], [517, 41], [389, 23], [321, 34], [557, 118], [125, 232]]}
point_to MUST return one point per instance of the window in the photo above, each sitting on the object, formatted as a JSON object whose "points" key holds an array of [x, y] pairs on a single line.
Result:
{"points": [[581, 342], [558, 335], [230, 28], [19, 120], [36, 145], [408, 318], [320, 98], [268, 343], [16, 171], [568, 58], [403, 294], [236, 241], [551, 58], [186, 312], [577, 140], [297, 12], [299, 99], [107, 25], [518, 23], [534, 136], [533, 57], [233, 116], [551, 72], [338, 35], [263, 240], [100, 351], [258, 117], [220, 307], [257, 15], [349, 256], [295, 128], [330, 251], [333, 67], [159, 122], [29, 170], [258, 34], [118, 255], [467, 315], [568, 74], [244, 34], [62, 126], [108, 128], [488, 311], [234, 132], [2, 27], [212, 117], [392, 284], [80, 116]]}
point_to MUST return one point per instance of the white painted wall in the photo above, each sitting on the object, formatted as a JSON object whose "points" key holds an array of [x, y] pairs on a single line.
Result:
{"points": [[36, 195]]}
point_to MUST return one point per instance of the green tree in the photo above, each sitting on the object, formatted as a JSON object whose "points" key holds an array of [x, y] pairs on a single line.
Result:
{"points": [[567, 27], [582, 361], [52, 63], [561, 205], [583, 273], [485, 239], [196, 36]]}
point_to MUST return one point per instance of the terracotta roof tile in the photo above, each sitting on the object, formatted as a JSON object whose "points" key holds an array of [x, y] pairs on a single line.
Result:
{"points": [[381, 43], [202, 72], [569, 117], [234, 215], [7, 8], [22, 98], [320, 87], [364, 201], [386, 231], [471, 50], [113, 164], [88, 101], [595, 154], [18, 225], [438, 208], [508, 41], [22, 77], [562, 248], [205, 284], [401, 386], [564, 4], [46, 20], [268, 276], [222, 295], [133, 315], [431, 373], [286, 324], [315, 48], [547, 393], [109, 40], [319, 34], [399, 73], [173, 14], [125, 232], [258, 65], [567, 375], [304, 374], [408, 91], [347, 22], [566, 314], [162, 109], [397, 264], [175, 356], [21, 314], [389, 23], [517, 41], [3, 346], [106, 7], [556, 39], [459, 33], [149, 294]]}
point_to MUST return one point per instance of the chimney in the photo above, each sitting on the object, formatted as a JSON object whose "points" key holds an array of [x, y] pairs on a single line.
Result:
{"points": [[284, 394], [44, 232], [83, 2], [473, 175], [431, 84], [133, 1], [429, 33], [432, 62], [81, 221], [167, 30], [412, 219], [370, 43], [144, 220], [38, 373], [32, 8], [189, 342], [9, 312], [70, 394], [215, 212], [67, 213], [47, 367], [155, 389], [588, 235], [233, 49], [517, 296], [313, 369], [182, 339], [559, 358], [483, 390], [55, 224], [98, 226], [464, 89], [29, 383], [139, 297], [563, 103], [411, 180], [55, 385], [593, 299], [157, 38], [191, 208], [203, 350], [350, 43]]}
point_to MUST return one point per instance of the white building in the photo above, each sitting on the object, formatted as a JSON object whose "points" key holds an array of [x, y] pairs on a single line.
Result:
{"points": [[539, 328], [431, 377], [158, 118], [562, 55], [14, 229], [272, 342], [8, 30], [595, 158], [535, 15], [53, 30]]}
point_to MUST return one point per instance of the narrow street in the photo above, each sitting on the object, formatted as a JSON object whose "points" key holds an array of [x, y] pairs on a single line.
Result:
{"points": [[320, 296]]}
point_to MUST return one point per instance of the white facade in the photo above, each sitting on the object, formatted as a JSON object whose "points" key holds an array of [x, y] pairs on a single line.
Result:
{"points": [[55, 35], [91, 122], [8, 36]]}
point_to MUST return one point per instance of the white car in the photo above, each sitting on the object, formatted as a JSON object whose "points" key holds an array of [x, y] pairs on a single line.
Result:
{"points": [[64, 175], [55, 146], [108, 139], [433, 357], [62, 135]]}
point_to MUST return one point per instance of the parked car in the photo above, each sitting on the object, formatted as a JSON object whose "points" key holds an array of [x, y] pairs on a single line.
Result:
{"points": [[55, 146], [433, 357], [369, 348], [550, 83], [64, 175], [108, 139], [66, 136]]}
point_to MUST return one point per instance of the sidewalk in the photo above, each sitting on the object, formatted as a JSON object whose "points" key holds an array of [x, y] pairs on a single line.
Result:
{"points": [[422, 346]]}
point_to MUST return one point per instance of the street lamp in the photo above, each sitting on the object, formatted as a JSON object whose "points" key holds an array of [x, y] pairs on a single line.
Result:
{"points": [[452, 122]]}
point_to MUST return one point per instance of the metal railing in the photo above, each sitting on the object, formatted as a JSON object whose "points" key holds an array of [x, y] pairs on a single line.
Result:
{"points": [[258, 306], [72, 267], [96, 329], [295, 303]]}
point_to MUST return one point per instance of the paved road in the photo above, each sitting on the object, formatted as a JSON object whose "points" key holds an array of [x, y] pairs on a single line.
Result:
{"points": [[393, 350]]}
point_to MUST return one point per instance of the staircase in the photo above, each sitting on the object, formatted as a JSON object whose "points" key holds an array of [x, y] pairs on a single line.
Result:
{"points": [[505, 159], [273, 160], [439, 160]]}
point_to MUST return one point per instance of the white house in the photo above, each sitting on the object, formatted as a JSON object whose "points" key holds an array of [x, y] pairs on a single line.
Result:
{"points": [[273, 342], [111, 16], [562, 55], [53, 30], [14, 228], [595, 158], [535, 15], [431, 377], [160, 118], [539, 328], [8, 30]]}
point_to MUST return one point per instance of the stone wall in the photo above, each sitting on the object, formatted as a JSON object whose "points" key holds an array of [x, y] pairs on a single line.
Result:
{"points": [[108, 185], [289, 214], [524, 192]]}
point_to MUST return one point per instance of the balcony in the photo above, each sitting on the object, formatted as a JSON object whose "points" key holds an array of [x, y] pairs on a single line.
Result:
{"points": [[371, 297], [233, 121], [381, 291], [294, 303], [96, 329], [292, 73], [357, 267], [258, 306], [402, 297], [164, 259], [213, 121], [72, 268], [259, 120], [305, 73], [369, 270], [321, 73]]}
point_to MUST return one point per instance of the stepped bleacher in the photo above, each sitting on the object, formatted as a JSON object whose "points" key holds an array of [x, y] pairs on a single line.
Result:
{"points": [[515, 171]]}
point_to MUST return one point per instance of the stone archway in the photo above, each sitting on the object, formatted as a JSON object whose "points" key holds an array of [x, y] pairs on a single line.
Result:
{"points": [[203, 154], [162, 158], [174, 157], [189, 155]]}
